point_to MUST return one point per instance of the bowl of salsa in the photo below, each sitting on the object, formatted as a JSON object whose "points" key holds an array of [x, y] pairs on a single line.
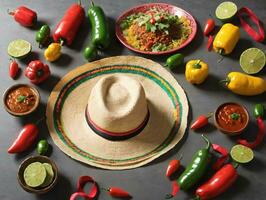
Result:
{"points": [[21, 99], [231, 118]]}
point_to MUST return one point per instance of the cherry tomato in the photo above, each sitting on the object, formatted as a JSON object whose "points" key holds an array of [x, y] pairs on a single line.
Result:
{"points": [[152, 21]]}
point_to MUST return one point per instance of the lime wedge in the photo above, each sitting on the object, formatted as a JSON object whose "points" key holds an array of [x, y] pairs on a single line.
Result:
{"points": [[19, 48], [252, 60], [226, 11], [50, 174], [34, 174], [241, 153]]}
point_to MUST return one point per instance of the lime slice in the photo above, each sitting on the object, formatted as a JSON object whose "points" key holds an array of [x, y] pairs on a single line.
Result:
{"points": [[19, 48], [226, 11], [252, 60], [50, 174], [241, 153], [34, 174]]}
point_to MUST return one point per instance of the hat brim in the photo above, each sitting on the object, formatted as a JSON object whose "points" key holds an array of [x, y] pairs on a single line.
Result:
{"points": [[167, 104]]}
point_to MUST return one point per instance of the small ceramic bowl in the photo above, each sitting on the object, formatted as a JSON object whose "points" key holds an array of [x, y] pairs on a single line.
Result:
{"points": [[17, 114], [41, 159], [231, 131]]}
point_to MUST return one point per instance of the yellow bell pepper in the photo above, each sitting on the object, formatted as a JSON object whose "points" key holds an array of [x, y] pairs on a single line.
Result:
{"points": [[243, 84], [53, 52], [226, 39], [196, 71]]}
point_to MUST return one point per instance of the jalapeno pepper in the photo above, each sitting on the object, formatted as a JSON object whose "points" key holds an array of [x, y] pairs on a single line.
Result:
{"points": [[196, 169], [99, 26], [68, 27], [174, 61], [90, 53], [42, 36], [218, 183]]}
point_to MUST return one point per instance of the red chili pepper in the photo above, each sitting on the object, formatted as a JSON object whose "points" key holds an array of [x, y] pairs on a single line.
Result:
{"points": [[201, 121], [225, 154], [209, 43], [259, 37], [118, 192], [67, 28], [13, 69], [37, 72], [25, 139], [93, 193], [259, 138], [218, 183], [209, 26], [24, 16], [173, 166]]}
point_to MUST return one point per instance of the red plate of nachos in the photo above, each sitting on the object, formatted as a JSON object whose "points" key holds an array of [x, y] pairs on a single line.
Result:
{"points": [[155, 28]]}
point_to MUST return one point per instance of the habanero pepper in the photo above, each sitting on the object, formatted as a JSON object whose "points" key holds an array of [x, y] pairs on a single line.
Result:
{"points": [[258, 112], [68, 27], [196, 71], [53, 52], [218, 183], [196, 169], [100, 36], [37, 72], [25, 139], [24, 16]]}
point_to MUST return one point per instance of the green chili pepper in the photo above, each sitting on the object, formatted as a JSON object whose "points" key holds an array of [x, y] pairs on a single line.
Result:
{"points": [[259, 110], [100, 30], [196, 169], [43, 35], [174, 61], [90, 53]]}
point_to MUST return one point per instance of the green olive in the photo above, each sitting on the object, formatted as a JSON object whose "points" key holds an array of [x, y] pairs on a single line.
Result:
{"points": [[42, 147]]}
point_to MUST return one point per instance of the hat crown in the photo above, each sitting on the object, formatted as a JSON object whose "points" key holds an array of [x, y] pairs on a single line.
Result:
{"points": [[117, 103]]}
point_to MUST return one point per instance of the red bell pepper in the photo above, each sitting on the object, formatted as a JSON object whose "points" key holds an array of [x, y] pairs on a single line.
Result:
{"points": [[25, 139], [68, 27], [218, 183], [24, 16], [209, 26], [37, 72]]}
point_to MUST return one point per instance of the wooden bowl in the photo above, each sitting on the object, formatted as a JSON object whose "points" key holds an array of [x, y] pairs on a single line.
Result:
{"points": [[37, 94], [41, 159], [231, 132]]}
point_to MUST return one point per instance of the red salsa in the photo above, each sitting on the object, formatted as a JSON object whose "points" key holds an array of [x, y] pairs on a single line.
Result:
{"points": [[21, 99], [232, 117]]}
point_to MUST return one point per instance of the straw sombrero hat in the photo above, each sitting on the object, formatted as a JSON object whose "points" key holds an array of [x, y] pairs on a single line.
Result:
{"points": [[117, 113]]}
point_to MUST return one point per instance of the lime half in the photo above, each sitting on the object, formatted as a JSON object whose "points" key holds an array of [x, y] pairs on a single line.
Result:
{"points": [[241, 153], [226, 11], [19, 48], [252, 60], [35, 174], [50, 174]]}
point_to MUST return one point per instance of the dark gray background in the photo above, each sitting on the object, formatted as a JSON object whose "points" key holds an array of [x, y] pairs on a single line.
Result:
{"points": [[148, 182]]}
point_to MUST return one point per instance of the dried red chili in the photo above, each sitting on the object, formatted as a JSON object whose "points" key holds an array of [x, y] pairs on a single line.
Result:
{"points": [[259, 112], [93, 193], [225, 154]]}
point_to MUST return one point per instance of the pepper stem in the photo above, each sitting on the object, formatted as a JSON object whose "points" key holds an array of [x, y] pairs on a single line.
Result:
{"points": [[208, 146], [225, 81], [79, 2], [221, 51], [197, 65], [210, 114], [10, 12], [61, 41], [235, 164], [92, 3], [168, 196]]}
